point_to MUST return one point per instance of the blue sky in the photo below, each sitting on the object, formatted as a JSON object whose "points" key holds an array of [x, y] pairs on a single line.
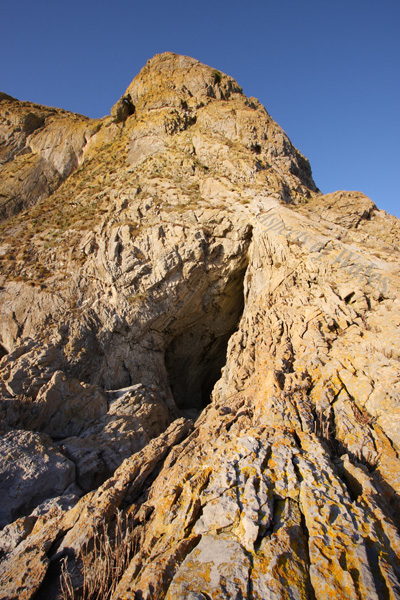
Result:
{"points": [[327, 72]]}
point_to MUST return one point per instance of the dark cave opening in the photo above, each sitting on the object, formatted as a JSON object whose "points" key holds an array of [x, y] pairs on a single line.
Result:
{"points": [[194, 368], [3, 351], [197, 352]]}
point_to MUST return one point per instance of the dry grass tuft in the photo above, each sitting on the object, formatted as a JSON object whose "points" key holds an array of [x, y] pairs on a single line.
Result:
{"points": [[103, 561]]}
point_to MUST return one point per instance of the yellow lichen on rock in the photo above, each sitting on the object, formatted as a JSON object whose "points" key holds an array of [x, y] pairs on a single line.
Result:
{"points": [[194, 337]]}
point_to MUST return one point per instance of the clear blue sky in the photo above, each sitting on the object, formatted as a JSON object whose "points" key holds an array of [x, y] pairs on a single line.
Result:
{"points": [[327, 71]]}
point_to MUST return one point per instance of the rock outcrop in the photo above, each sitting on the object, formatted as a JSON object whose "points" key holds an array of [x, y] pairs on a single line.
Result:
{"points": [[40, 147], [192, 336]]}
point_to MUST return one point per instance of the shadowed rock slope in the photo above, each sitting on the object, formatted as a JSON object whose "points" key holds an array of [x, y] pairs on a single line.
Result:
{"points": [[192, 334]]}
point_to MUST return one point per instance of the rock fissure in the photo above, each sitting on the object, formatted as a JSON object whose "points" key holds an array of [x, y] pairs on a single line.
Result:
{"points": [[310, 588], [188, 266], [196, 355]]}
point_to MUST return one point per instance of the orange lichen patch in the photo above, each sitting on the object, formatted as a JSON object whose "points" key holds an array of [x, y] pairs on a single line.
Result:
{"points": [[180, 507], [389, 463], [282, 560], [23, 575], [182, 215], [216, 567], [156, 575]]}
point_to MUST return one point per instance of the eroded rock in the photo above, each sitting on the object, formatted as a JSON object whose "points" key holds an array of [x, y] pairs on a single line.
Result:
{"points": [[197, 270], [32, 470]]}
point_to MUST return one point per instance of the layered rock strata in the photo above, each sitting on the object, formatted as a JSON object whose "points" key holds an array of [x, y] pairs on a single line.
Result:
{"points": [[194, 337]]}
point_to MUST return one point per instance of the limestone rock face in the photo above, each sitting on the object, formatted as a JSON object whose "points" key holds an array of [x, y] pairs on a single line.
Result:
{"points": [[39, 148], [122, 109], [31, 471], [192, 336]]}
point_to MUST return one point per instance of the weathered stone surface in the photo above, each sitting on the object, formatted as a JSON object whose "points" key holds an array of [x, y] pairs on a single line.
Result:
{"points": [[12, 535], [31, 471], [67, 407], [134, 418], [32, 121], [40, 147], [216, 567], [4, 96], [21, 575], [197, 270], [122, 109], [29, 367]]}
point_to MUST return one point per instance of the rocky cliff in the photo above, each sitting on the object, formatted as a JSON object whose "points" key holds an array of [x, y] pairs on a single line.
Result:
{"points": [[199, 367]]}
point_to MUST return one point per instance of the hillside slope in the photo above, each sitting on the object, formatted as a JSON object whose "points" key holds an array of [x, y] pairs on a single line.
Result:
{"points": [[192, 334]]}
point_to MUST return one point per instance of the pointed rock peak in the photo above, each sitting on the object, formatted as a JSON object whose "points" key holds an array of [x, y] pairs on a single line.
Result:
{"points": [[171, 80]]}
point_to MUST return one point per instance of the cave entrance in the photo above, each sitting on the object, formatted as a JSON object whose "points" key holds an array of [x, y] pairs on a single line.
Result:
{"points": [[197, 352], [3, 351]]}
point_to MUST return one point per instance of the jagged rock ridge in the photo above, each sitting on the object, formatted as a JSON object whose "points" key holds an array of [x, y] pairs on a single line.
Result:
{"points": [[193, 334]]}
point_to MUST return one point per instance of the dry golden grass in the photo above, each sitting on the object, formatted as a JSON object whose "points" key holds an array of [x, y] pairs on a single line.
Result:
{"points": [[103, 561]]}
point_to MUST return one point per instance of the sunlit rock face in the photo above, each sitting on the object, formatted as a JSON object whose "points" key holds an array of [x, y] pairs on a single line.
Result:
{"points": [[193, 335]]}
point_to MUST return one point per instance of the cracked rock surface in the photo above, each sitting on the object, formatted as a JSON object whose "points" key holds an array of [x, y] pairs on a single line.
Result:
{"points": [[192, 336]]}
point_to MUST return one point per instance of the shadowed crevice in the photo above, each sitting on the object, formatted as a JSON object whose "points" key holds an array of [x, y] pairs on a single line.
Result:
{"points": [[194, 358]]}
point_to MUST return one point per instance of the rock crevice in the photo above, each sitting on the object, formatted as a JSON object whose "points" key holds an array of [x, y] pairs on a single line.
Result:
{"points": [[192, 334]]}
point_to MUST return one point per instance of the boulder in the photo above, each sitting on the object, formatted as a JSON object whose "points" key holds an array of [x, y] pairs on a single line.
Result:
{"points": [[31, 471]]}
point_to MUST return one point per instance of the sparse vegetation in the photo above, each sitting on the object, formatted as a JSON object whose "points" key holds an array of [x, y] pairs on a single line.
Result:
{"points": [[323, 427], [136, 298], [217, 77], [362, 416], [102, 561], [391, 353], [369, 460]]}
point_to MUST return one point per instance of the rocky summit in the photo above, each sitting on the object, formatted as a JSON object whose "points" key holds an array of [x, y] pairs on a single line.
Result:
{"points": [[199, 374]]}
